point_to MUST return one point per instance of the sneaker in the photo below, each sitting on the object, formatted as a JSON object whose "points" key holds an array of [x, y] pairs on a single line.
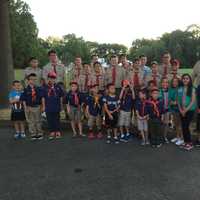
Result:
{"points": [[23, 135], [91, 136], [33, 137], [100, 135], [166, 140], [51, 136], [123, 138], [158, 146], [188, 147], [128, 136], [179, 142], [143, 143], [147, 142], [174, 140], [17, 136], [116, 140], [108, 140], [82, 135], [58, 135], [40, 137]]}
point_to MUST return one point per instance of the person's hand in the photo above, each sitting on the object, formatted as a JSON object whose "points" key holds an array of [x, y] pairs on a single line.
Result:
{"points": [[110, 117], [183, 111], [68, 109]]}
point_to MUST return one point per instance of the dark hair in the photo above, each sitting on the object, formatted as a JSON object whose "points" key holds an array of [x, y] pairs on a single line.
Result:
{"points": [[166, 52], [190, 85], [113, 56], [151, 82], [97, 63], [109, 85], [142, 56], [93, 55], [51, 51], [123, 55], [135, 60], [31, 75], [15, 81], [32, 58], [179, 82]]}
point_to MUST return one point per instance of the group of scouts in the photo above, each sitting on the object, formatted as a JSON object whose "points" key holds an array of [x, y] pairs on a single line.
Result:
{"points": [[153, 99]]}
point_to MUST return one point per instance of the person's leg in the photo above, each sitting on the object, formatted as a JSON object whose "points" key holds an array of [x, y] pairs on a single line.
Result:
{"points": [[166, 126], [22, 127], [38, 121], [198, 126], [80, 127], [185, 122], [99, 126], [50, 121], [73, 125], [91, 121], [31, 122], [57, 125], [143, 137]]}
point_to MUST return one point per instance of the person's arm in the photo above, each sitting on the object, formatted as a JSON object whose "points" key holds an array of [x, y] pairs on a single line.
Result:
{"points": [[132, 91], [43, 104], [107, 111], [193, 100], [121, 93]]}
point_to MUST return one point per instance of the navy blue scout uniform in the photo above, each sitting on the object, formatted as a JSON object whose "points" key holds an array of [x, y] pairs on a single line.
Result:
{"points": [[32, 96], [112, 103], [74, 99], [141, 107], [155, 110], [94, 105], [126, 103], [52, 95]]}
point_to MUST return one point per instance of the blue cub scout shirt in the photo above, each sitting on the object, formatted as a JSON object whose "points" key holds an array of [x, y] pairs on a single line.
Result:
{"points": [[111, 101], [95, 108]]}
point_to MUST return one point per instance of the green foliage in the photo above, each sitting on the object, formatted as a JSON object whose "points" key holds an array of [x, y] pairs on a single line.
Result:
{"points": [[183, 45]]}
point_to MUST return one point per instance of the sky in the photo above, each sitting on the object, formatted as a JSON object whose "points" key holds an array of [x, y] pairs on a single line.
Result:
{"points": [[113, 21]]}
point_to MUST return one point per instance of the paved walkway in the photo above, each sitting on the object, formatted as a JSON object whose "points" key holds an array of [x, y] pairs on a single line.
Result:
{"points": [[78, 169]]}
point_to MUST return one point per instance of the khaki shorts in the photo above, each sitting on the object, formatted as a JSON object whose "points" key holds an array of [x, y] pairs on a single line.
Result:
{"points": [[124, 119], [75, 114], [142, 124], [94, 120]]}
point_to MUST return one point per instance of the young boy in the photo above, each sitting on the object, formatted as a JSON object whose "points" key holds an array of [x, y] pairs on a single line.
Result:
{"points": [[74, 102], [111, 107], [31, 98], [94, 111], [52, 97], [17, 110], [164, 96], [142, 116], [155, 110], [127, 97]]}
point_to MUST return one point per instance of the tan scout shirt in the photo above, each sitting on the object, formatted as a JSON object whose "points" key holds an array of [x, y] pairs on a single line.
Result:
{"points": [[136, 77], [164, 70], [37, 71], [98, 78], [154, 77], [119, 76], [60, 72], [196, 73]]}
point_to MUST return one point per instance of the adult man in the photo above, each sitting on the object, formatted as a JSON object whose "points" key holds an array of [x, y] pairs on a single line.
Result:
{"points": [[125, 64], [77, 69], [144, 70], [196, 73], [33, 69], [55, 66], [165, 68], [115, 73]]}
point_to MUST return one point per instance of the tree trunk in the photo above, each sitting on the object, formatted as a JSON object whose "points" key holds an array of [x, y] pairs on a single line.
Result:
{"points": [[6, 64]]}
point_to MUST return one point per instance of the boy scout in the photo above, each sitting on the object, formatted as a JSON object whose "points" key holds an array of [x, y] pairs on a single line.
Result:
{"points": [[136, 76], [165, 68], [55, 66], [98, 77], [154, 75], [115, 74], [33, 69], [31, 98]]}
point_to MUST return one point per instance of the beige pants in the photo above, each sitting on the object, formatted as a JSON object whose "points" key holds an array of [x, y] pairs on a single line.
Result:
{"points": [[92, 121], [33, 117]]}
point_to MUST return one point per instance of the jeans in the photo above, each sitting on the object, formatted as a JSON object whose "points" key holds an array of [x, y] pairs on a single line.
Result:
{"points": [[185, 123], [53, 120]]}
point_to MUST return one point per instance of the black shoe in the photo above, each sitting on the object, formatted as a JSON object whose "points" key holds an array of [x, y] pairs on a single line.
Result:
{"points": [[40, 137], [33, 137]]}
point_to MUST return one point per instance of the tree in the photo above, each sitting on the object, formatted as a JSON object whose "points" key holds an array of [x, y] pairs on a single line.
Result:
{"points": [[6, 65]]}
